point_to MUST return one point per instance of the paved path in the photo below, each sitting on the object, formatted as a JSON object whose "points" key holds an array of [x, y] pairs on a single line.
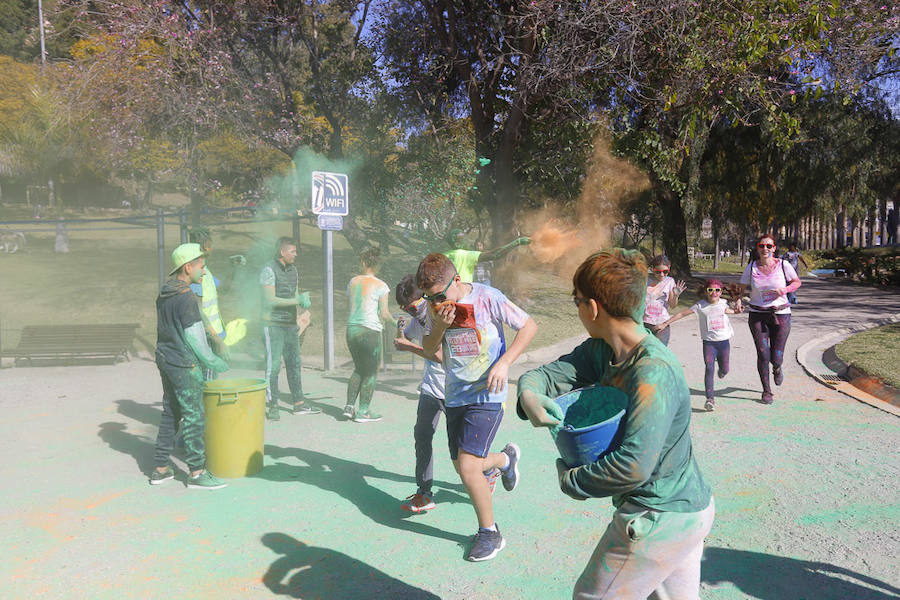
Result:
{"points": [[805, 492]]}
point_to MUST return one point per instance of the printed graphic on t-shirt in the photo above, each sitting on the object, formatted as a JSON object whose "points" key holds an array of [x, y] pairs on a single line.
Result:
{"points": [[769, 295], [462, 342], [654, 310], [717, 323]]}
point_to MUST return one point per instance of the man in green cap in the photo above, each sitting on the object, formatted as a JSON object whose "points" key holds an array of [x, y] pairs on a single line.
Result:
{"points": [[465, 260], [181, 351]]}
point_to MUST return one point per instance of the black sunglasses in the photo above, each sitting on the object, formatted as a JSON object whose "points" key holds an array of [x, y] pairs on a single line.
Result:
{"points": [[769, 246], [440, 296], [579, 301]]}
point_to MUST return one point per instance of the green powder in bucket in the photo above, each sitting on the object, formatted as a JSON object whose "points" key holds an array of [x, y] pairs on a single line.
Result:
{"points": [[593, 406]]}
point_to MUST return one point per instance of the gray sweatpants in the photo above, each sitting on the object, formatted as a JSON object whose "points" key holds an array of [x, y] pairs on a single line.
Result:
{"points": [[282, 341], [428, 414], [647, 554]]}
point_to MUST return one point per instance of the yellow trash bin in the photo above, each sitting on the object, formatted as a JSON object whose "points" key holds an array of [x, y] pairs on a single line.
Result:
{"points": [[235, 420]]}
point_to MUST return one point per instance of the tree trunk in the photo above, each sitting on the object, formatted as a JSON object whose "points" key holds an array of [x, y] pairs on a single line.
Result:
{"points": [[882, 216], [841, 228], [872, 225], [674, 234], [716, 250], [819, 237]]}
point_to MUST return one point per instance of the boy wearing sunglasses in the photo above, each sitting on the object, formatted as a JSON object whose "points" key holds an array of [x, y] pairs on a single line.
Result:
{"points": [[466, 336], [715, 331]]}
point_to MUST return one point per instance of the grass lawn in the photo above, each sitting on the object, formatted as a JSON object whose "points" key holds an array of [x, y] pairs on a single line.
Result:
{"points": [[110, 276], [874, 352]]}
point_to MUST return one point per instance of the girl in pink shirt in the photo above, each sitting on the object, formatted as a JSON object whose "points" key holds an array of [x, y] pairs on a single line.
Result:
{"points": [[662, 294]]}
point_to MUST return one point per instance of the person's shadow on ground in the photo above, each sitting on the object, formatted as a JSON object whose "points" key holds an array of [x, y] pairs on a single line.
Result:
{"points": [[145, 413], [116, 435], [729, 392], [137, 446], [770, 577], [303, 571], [349, 480]]}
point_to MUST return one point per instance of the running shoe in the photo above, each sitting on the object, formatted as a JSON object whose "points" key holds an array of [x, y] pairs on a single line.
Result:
{"points": [[205, 481], [486, 545], [157, 477], [767, 398], [348, 411], [777, 375], [305, 409], [418, 502], [366, 417], [272, 414], [710, 405], [510, 476]]}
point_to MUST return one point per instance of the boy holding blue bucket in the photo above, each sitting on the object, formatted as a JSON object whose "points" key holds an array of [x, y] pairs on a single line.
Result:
{"points": [[465, 334], [664, 508]]}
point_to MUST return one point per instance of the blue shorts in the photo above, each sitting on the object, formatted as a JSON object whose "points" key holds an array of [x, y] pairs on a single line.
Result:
{"points": [[472, 428]]}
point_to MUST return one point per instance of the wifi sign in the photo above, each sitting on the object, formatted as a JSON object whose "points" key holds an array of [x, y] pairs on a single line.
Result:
{"points": [[330, 194]]}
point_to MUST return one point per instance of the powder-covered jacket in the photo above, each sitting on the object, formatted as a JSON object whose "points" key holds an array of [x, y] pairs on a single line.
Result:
{"points": [[654, 466]]}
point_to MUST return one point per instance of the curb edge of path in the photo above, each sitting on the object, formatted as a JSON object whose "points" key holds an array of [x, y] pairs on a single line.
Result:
{"points": [[844, 387]]}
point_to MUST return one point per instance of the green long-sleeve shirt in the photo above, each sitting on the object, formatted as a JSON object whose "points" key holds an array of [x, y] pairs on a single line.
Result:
{"points": [[654, 466]]}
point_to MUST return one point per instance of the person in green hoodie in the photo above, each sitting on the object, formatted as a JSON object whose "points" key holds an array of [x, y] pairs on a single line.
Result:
{"points": [[181, 351], [664, 508]]}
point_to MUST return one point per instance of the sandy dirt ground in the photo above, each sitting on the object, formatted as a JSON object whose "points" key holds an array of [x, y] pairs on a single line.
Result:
{"points": [[806, 491]]}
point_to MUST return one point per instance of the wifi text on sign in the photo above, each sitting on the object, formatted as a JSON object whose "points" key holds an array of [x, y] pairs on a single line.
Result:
{"points": [[330, 194]]}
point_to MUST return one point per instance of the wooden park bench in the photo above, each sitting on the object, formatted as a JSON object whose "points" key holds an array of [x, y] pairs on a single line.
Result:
{"points": [[113, 341]]}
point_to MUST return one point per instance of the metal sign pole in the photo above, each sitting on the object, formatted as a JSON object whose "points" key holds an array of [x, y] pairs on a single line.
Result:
{"points": [[328, 303], [330, 202]]}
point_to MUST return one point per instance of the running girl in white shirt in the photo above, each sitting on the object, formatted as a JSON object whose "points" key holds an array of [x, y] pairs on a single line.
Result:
{"points": [[715, 331]]}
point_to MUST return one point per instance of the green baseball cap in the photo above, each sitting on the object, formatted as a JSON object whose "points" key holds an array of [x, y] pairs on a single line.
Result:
{"points": [[184, 254]]}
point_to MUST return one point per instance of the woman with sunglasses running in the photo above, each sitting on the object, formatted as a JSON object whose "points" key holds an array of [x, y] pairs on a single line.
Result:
{"points": [[715, 331], [769, 280], [662, 294]]}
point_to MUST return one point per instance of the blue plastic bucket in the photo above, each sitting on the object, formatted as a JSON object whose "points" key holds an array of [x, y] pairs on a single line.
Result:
{"points": [[594, 427]]}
